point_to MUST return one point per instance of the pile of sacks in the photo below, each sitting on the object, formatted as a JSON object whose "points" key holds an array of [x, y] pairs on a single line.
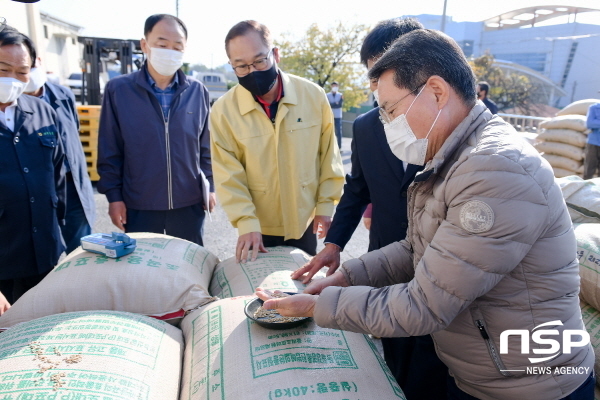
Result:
{"points": [[563, 138], [583, 201], [149, 326]]}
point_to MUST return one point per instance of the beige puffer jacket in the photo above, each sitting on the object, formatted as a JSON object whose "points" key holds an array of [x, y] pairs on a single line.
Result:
{"points": [[490, 247]]}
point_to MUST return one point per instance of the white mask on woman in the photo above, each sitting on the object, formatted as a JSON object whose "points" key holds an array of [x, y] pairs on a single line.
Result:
{"points": [[402, 140], [165, 61], [10, 89]]}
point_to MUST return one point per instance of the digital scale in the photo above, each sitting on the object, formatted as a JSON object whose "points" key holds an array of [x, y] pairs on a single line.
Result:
{"points": [[114, 245]]}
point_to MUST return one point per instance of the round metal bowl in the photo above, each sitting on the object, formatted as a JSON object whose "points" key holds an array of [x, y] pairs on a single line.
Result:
{"points": [[252, 306]]}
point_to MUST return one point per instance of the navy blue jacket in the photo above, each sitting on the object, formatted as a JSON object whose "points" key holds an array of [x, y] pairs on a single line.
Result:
{"points": [[32, 191], [62, 101], [145, 162], [377, 177]]}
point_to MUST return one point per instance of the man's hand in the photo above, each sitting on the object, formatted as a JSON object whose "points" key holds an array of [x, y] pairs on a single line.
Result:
{"points": [[118, 214], [212, 202], [4, 304], [337, 279], [328, 257], [298, 305], [323, 222], [251, 240]]}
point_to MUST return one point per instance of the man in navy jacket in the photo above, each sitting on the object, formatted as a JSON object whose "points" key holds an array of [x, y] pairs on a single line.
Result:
{"points": [[380, 178], [81, 208], [154, 145], [32, 181]]}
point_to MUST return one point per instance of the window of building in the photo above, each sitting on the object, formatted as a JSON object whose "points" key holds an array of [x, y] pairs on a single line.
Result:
{"points": [[535, 61], [46, 31]]}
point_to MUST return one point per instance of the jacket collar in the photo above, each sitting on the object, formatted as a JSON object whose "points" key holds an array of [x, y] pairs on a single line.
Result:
{"points": [[479, 115], [56, 96], [246, 102]]}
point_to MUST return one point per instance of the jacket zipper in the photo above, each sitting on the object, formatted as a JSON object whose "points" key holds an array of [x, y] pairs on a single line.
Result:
{"points": [[169, 177], [492, 349]]}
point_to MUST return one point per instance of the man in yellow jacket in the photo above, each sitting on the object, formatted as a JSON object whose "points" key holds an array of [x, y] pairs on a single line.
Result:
{"points": [[276, 165]]}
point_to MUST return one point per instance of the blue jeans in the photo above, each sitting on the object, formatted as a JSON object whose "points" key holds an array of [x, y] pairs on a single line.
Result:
{"points": [[583, 392], [338, 131]]}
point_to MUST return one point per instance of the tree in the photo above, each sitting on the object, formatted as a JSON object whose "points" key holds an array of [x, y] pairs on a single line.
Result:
{"points": [[509, 89], [325, 56]]}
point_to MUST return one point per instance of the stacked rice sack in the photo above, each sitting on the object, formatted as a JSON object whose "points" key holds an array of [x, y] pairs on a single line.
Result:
{"points": [[583, 201], [562, 143]]}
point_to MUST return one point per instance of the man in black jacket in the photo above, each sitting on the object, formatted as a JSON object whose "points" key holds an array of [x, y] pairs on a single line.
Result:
{"points": [[154, 146], [380, 178]]}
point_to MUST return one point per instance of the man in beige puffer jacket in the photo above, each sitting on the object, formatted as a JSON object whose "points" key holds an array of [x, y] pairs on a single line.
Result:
{"points": [[490, 245]]}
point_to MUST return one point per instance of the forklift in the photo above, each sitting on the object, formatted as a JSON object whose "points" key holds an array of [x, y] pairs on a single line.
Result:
{"points": [[103, 57]]}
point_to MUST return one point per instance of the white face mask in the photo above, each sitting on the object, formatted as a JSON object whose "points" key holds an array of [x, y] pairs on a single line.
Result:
{"points": [[334, 89], [37, 78], [10, 89], [403, 142], [165, 61], [376, 95]]}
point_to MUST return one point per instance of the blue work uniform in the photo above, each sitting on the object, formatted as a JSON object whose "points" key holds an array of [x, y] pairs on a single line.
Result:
{"points": [[32, 192]]}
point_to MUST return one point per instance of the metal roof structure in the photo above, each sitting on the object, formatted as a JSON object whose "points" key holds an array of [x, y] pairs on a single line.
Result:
{"points": [[529, 16]]}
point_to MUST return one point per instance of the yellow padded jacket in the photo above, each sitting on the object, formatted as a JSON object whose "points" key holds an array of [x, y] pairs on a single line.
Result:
{"points": [[274, 178]]}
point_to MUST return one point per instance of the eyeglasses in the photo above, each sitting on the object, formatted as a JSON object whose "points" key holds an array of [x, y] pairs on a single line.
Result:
{"points": [[260, 65], [385, 116]]}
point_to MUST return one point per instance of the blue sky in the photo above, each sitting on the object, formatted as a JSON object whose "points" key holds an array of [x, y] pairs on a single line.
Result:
{"points": [[209, 21]]}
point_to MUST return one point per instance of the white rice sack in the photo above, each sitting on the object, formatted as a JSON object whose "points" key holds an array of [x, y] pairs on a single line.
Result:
{"points": [[582, 198], [563, 162], [562, 173], [568, 136], [228, 356], [164, 277], [560, 149], [91, 355], [588, 253], [578, 108], [575, 122], [270, 271], [591, 320]]}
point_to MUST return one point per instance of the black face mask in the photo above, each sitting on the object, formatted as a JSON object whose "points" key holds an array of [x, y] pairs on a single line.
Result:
{"points": [[259, 82]]}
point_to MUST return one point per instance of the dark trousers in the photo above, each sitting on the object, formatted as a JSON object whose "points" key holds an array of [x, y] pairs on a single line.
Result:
{"points": [[308, 241], [338, 131], [416, 367], [12, 289], [76, 223], [592, 160], [583, 392], [185, 223]]}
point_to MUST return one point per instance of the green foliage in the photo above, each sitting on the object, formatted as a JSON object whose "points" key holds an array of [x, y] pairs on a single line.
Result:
{"points": [[325, 56], [508, 89]]}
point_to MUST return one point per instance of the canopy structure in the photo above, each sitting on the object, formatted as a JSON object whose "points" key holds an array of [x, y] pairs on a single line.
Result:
{"points": [[529, 16]]}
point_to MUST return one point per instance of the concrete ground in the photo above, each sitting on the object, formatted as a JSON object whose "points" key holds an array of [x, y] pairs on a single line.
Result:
{"points": [[220, 237]]}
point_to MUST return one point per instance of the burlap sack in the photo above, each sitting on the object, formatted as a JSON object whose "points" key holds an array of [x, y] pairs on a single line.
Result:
{"points": [[568, 136], [591, 320], [228, 357], [270, 271], [563, 162], [91, 355], [562, 173], [582, 198], [578, 108], [575, 122], [560, 149], [588, 253], [164, 277]]}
